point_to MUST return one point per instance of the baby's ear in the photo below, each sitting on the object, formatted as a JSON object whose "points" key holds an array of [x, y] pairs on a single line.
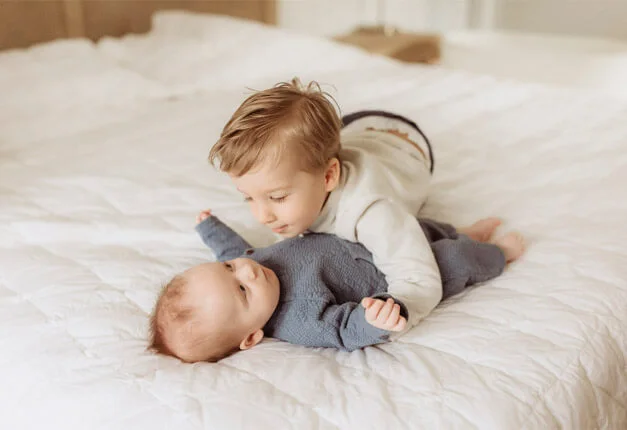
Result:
{"points": [[251, 340]]}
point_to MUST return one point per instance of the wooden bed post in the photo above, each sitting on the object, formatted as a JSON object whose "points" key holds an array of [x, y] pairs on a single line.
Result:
{"points": [[27, 22], [74, 20], [269, 12]]}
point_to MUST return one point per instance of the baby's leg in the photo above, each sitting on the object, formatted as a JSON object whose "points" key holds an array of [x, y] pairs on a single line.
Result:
{"points": [[482, 230], [464, 257], [435, 230], [464, 262], [512, 244]]}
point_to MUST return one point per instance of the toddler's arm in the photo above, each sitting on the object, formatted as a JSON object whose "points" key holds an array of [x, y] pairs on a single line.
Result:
{"points": [[223, 241], [401, 251]]}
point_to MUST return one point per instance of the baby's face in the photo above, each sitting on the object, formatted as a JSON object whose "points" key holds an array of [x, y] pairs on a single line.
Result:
{"points": [[239, 295], [283, 197]]}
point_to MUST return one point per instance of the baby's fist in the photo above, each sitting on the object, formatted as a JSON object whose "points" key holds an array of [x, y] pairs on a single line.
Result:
{"points": [[384, 314], [203, 216]]}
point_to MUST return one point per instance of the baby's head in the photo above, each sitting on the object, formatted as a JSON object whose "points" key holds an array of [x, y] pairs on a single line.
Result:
{"points": [[214, 309], [281, 149]]}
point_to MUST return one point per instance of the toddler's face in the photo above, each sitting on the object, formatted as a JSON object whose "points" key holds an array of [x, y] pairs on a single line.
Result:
{"points": [[239, 295], [283, 197]]}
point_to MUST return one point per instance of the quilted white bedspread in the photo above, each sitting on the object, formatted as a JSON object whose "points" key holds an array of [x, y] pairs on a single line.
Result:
{"points": [[103, 168]]}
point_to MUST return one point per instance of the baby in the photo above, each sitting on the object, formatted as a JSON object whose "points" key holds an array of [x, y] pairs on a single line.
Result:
{"points": [[364, 177], [316, 290]]}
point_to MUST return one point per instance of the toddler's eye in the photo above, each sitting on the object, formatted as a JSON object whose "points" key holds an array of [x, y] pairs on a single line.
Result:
{"points": [[229, 266], [242, 289], [278, 199]]}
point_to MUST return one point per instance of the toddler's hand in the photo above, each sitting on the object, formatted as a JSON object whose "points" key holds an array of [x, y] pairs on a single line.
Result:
{"points": [[203, 216], [385, 315]]}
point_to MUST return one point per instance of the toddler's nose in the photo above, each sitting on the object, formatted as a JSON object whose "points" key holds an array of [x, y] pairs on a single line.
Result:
{"points": [[266, 216]]}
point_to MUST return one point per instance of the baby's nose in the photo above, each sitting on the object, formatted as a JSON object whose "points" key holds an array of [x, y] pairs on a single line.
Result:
{"points": [[249, 272]]}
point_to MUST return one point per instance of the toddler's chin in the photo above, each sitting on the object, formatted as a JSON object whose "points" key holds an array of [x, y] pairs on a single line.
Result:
{"points": [[288, 235]]}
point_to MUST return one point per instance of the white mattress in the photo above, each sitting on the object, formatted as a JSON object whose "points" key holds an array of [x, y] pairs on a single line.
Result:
{"points": [[103, 169]]}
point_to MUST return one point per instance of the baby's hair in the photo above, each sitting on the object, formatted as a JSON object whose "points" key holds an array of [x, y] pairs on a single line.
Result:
{"points": [[168, 310], [171, 318], [289, 118]]}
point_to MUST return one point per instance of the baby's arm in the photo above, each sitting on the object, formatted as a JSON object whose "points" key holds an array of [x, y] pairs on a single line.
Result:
{"points": [[401, 251], [224, 242], [348, 326], [384, 314]]}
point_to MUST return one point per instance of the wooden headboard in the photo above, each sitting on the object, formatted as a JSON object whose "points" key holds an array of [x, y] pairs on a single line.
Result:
{"points": [[25, 22]]}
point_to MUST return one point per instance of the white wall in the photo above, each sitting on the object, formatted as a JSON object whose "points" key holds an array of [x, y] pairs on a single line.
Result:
{"points": [[581, 17], [606, 18], [428, 15], [333, 17], [323, 17]]}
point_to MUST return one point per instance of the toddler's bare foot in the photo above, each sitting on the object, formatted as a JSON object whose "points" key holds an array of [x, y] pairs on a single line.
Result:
{"points": [[482, 230], [512, 245]]}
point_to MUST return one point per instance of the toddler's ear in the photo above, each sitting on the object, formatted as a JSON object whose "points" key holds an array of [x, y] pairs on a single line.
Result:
{"points": [[332, 175], [251, 340]]}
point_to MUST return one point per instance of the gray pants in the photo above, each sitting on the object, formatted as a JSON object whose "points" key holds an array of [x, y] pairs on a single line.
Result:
{"points": [[462, 261]]}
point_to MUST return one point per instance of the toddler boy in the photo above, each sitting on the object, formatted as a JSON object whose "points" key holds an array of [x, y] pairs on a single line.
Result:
{"points": [[302, 169]]}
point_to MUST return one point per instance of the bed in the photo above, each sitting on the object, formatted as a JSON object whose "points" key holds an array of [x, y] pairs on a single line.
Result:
{"points": [[103, 168]]}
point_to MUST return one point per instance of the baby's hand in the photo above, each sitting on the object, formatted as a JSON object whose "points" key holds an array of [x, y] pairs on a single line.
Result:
{"points": [[385, 315], [203, 216]]}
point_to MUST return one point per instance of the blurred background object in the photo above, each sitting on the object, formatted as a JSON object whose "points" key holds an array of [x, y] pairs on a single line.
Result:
{"points": [[574, 43], [596, 18], [580, 43]]}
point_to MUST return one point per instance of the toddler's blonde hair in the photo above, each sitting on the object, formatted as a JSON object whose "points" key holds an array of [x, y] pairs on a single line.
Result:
{"points": [[287, 119]]}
